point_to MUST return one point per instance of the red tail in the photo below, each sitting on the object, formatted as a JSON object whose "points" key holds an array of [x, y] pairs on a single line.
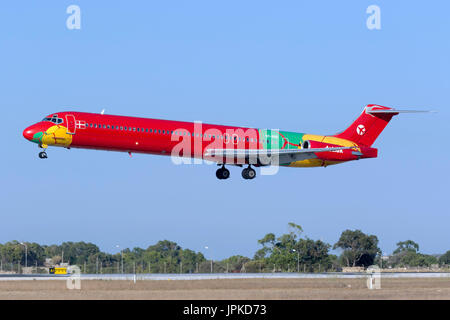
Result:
{"points": [[366, 129]]}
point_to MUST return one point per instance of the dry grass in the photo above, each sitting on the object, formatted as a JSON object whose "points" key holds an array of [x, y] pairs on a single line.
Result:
{"points": [[228, 289]]}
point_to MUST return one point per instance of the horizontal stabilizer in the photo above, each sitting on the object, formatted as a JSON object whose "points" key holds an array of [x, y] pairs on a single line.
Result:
{"points": [[395, 111]]}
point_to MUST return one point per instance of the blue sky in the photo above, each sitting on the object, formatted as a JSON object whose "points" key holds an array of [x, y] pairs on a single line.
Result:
{"points": [[304, 66]]}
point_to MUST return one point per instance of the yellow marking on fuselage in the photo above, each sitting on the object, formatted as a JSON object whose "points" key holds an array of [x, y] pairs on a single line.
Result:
{"points": [[313, 137], [339, 142], [308, 163], [57, 136]]}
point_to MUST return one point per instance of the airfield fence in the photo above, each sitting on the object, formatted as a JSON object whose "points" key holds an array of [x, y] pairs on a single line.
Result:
{"points": [[164, 268]]}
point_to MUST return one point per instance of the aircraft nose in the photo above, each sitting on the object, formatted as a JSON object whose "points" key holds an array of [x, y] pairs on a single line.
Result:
{"points": [[28, 133]]}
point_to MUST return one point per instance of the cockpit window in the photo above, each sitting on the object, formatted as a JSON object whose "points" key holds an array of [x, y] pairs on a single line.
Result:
{"points": [[54, 118]]}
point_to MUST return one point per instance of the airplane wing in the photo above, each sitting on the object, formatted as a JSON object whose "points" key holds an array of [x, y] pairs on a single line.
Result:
{"points": [[265, 156]]}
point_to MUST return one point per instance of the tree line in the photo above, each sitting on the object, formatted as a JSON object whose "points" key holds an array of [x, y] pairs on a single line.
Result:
{"points": [[290, 252]]}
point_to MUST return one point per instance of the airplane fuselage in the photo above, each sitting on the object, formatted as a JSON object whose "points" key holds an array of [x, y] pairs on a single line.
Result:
{"points": [[161, 137]]}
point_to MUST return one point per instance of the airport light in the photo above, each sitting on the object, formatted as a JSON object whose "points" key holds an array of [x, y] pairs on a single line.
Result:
{"points": [[26, 253], [206, 247], [298, 260]]}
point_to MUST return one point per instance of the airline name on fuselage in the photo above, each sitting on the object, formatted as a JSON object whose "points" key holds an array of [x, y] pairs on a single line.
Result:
{"points": [[337, 151]]}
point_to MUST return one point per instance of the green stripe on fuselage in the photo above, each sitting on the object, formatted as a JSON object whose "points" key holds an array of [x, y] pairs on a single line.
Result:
{"points": [[273, 139]]}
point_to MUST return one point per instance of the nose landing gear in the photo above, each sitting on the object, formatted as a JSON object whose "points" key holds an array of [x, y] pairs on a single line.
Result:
{"points": [[222, 173], [248, 173], [43, 155]]}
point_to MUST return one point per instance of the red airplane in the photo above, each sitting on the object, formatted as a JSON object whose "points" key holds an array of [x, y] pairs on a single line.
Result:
{"points": [[185, 141]]}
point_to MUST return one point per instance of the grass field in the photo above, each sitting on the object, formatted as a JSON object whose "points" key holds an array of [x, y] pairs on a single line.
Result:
{"points": [[416, 288]]}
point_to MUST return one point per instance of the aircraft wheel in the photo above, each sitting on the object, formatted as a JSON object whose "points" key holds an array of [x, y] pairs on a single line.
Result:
{"points": [[225, 173], [245, 173], [248, 173], [43, 155], [222, 173], [251, 173]]}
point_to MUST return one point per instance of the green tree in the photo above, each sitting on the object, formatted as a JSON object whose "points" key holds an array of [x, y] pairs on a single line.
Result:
{"points": [[288, 251], [359, 249], [407, 245], [407, 255], [413, 259], [235, 263], [445, 258]]}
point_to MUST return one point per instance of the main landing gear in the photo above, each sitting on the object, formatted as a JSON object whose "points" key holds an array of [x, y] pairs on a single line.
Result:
{"points": [[43, 155], [248, 173], [222, 173]]}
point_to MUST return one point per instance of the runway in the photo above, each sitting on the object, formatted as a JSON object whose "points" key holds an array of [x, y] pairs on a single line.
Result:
{"points": [[218, 276]]}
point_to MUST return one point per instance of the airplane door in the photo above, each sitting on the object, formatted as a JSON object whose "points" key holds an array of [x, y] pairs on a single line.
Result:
{"points": [[70, 119]]}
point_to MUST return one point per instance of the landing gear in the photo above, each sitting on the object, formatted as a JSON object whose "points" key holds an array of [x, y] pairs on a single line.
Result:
{"points": [[222, 173], [248, 173], [43, 155]]}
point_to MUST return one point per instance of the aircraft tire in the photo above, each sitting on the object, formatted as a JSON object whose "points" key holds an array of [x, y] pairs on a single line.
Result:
{"points": [[225, 173], [251, 173]]}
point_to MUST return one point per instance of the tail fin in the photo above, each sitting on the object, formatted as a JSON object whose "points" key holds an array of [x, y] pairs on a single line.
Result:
{"points": [[366, 129]]}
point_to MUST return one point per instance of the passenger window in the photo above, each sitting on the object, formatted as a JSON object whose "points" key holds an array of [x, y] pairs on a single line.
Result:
{"points": [[138, 130]]}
